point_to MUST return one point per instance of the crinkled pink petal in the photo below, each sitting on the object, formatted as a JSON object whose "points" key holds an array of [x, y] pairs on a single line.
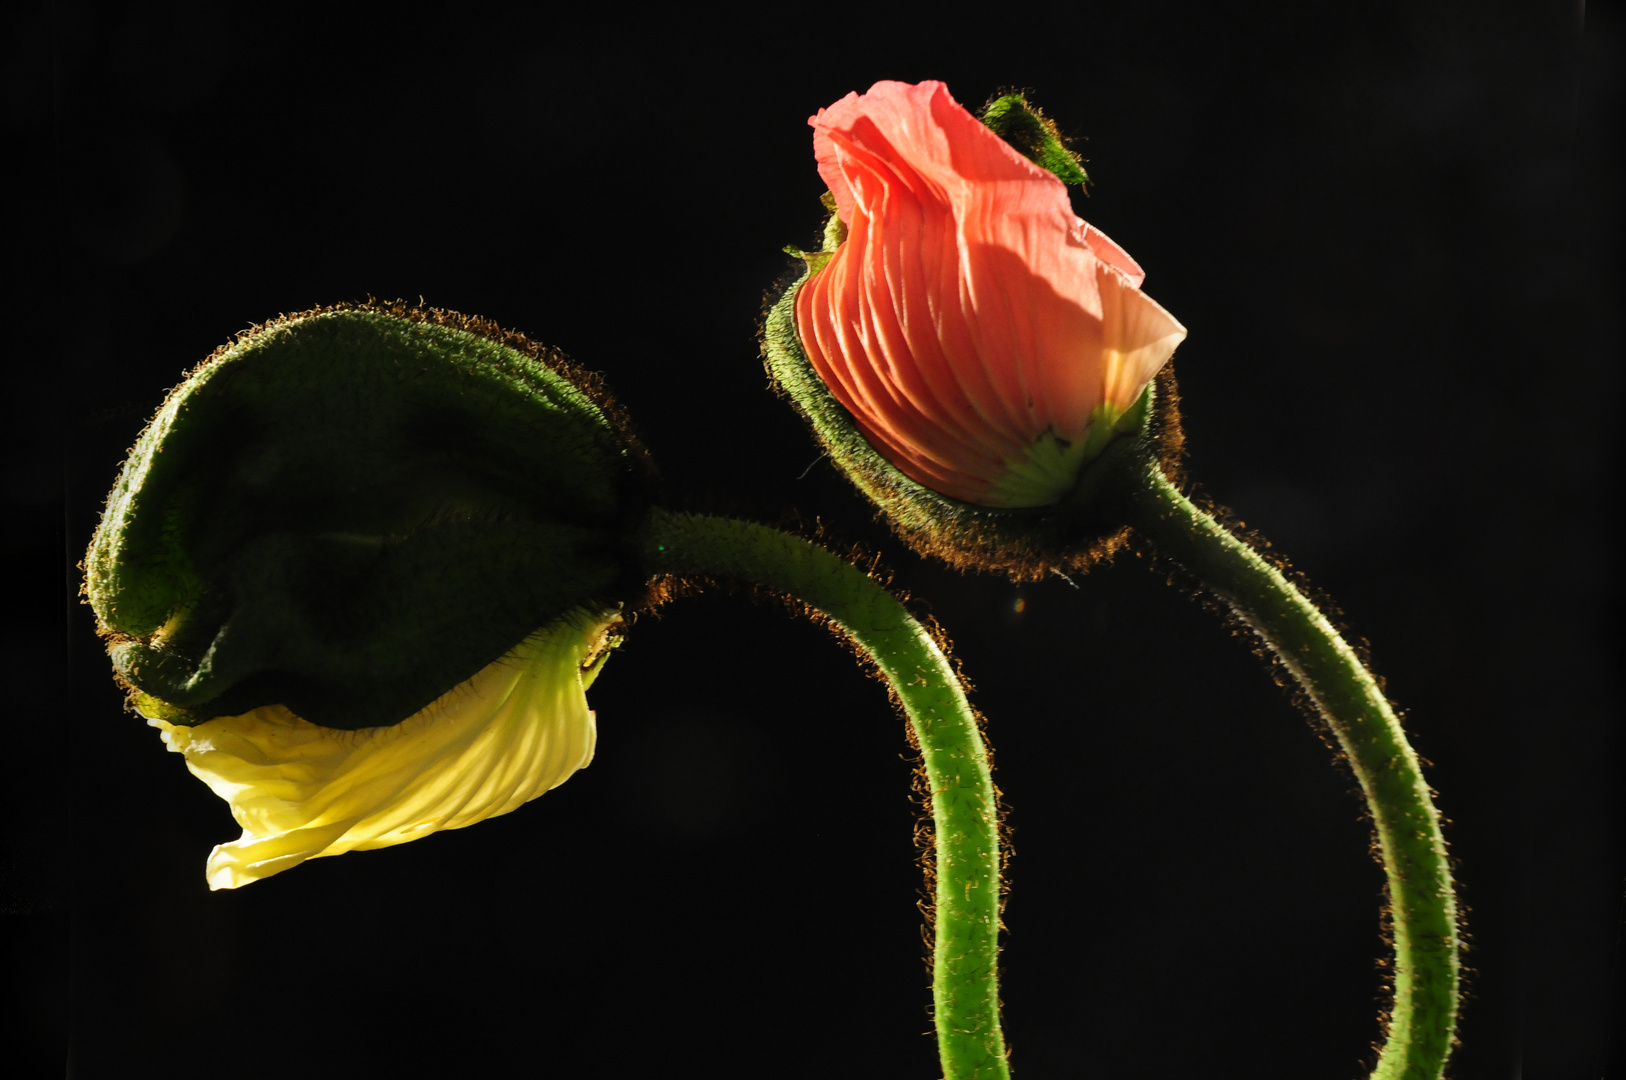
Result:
{"points": [[969, 311]]}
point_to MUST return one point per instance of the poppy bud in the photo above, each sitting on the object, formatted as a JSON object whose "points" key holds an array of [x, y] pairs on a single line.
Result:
{"points": [[351, 511], [969, 345], [373, 518]]}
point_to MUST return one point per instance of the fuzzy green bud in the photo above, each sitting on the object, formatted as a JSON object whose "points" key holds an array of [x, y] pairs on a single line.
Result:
{"points": [[351, 511]]}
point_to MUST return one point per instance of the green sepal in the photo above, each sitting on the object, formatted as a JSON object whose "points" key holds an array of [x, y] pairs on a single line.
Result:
{"points": [[1025, 543], [352, 511], [1034, 136], [835, 230], [815, 259]]}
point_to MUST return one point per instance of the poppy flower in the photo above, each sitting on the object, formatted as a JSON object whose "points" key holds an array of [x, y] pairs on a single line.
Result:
{"points": [[982, 338], [360, 570]]}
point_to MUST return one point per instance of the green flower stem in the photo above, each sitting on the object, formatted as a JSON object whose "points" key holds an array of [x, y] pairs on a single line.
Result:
{"points": [[964, 811], [1422, 906]]}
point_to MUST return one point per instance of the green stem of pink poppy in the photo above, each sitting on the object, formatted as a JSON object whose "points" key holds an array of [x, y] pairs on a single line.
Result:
{"points": [[965, 811], [1422, 904]]}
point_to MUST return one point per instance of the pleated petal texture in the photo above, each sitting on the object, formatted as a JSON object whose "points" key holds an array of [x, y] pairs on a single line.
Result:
{"points": [[517, 729], [969, 315]]}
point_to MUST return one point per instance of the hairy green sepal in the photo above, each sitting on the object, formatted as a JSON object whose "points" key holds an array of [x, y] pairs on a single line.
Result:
{"points": [[1034, 136], [352, 512], [1025, 542]]}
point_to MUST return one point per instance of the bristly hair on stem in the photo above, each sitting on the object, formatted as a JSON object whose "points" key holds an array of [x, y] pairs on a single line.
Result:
{"points": [[1420, 918], [666, 588], [965, 806]]}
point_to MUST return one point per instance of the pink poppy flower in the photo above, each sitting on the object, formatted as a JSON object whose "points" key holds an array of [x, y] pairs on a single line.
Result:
{"points": [[983, 337]]}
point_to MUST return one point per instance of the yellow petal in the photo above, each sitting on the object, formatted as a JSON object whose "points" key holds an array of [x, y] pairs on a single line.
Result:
{"points": [[518, 728]]}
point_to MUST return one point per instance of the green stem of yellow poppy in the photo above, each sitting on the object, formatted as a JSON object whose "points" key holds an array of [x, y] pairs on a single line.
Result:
{"points": [[1422, 905], [964, 808]]}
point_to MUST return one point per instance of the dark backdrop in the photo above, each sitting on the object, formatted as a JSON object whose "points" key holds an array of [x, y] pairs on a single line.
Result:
{"points": [[1388, 228]]}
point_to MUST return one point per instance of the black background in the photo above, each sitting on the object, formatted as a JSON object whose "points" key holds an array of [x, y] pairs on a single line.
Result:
{"points": [[1391, 230]]}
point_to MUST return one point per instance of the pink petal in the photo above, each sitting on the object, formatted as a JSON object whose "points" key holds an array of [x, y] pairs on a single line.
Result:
{"points": [[969, 311]]}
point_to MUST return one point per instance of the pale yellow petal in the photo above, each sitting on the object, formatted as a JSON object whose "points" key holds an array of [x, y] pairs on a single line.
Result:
{"points": [[517, 729], [1138, 337]]}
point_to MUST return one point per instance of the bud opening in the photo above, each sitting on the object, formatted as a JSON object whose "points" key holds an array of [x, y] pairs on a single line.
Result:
{"points": [[520, 727], [965, 346]]}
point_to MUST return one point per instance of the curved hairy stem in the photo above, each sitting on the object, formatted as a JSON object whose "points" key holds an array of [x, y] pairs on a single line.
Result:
{"points": [[1423, 907], [964, 811]]}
